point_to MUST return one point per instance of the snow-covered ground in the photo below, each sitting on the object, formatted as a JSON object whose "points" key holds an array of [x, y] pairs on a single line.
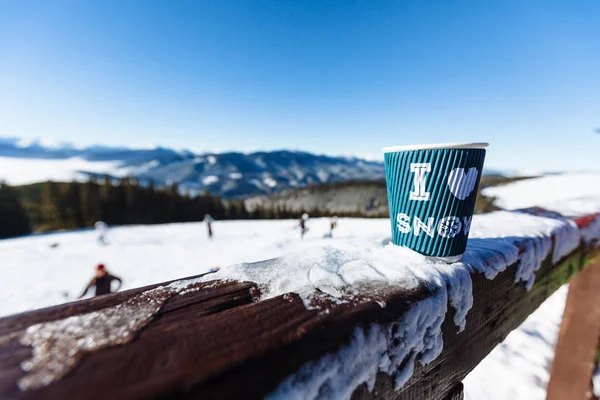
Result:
{"points": [[569, 194], [35, 275]]}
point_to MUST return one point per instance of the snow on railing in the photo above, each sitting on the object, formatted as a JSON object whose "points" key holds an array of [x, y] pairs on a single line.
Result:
{"points": [[327, 322]]}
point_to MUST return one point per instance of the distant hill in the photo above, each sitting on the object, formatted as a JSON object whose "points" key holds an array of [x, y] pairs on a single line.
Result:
{"points": [[230, 175], [226, 174], [343, 198], [353, 198]]}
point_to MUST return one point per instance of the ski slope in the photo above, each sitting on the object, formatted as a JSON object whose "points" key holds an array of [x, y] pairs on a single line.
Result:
{"points": [[36, 274]]}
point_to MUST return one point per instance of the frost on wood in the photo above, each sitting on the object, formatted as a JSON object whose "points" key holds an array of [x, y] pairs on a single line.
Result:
{"points": [[334, 273], [344, 274], [502, 238], [336, 375], [58, 345], [391, 348], [499, 240]]}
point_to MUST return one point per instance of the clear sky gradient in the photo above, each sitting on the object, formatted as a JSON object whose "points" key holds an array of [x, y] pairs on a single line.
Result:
{"points": [[334, 77]]}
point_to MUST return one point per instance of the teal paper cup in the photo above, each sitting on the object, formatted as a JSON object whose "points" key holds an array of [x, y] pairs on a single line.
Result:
{"points": [[431, 195]]}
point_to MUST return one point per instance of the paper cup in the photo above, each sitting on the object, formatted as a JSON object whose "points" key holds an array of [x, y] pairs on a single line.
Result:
{"points": [[431, 195]]}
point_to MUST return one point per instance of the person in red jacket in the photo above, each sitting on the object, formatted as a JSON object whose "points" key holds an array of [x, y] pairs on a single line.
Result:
{"points": [[102, 282]]}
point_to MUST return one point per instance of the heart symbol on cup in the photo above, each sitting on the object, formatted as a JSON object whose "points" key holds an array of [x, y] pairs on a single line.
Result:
{"points": [[460, 184]]}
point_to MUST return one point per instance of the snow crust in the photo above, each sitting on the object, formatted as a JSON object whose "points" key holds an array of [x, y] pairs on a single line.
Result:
{"points": [[341, 274], [391, 348], [503, 238]]}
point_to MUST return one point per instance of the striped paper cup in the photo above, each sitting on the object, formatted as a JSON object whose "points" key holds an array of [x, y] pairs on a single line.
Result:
{"points": [[431, 194]]}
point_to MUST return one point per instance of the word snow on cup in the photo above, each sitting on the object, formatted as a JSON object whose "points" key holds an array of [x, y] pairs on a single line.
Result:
{"points": [[431, 195]]}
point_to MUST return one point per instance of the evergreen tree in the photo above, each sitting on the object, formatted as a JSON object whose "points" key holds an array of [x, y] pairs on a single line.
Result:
{"points": [[229, 210], [149, 200], [51, 218], [90, 202], [71, 202], [13, 219], [173, 203], [107, 202], [219, 208], [52, 205], [120, 203]]}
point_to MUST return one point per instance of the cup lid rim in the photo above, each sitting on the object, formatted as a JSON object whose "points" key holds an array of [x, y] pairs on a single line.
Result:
{"points": [[474, 145]]}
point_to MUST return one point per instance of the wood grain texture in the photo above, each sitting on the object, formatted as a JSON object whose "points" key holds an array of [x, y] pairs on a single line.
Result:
{"points": [[218, 343], [457, 393]]}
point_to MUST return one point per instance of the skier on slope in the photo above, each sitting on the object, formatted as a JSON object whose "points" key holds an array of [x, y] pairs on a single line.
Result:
{"points": [[302, 225], [209, 220], [101, 229], [332, 226], [102, 282]]}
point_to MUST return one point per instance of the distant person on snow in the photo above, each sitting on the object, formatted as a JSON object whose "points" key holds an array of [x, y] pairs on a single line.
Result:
{"points": [[102, 282], [101, 229], [209, 220], [302, 225], [332, 226]]}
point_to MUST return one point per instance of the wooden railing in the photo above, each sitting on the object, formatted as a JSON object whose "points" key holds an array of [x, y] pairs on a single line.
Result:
{"points": [[201, 338]]}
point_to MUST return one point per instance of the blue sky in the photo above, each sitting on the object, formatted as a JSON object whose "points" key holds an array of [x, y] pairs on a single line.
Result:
{"points": [[335, 77]]}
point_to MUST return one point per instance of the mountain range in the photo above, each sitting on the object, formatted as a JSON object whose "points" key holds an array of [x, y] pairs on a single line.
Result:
{"points": [[230, 174]]}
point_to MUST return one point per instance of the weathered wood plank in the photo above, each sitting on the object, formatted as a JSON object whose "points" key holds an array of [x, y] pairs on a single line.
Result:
{"points": [[457, 393], [573, 364], [20, 321], [199, 303]]}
